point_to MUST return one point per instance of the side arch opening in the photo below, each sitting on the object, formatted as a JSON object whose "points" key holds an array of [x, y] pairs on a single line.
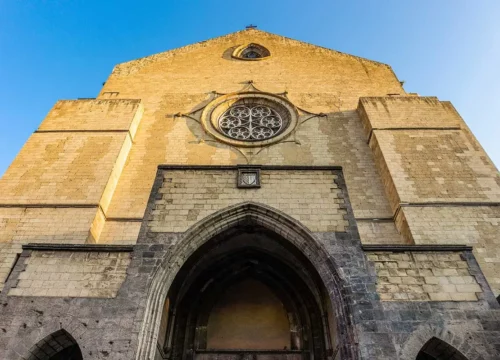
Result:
{"points": [[59, 345], [437, 349], [258, 285]]}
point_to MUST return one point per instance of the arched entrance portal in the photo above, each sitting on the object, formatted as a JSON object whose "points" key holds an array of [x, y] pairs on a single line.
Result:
{"points": [[250, 290], [203, 300], [246, 292]]}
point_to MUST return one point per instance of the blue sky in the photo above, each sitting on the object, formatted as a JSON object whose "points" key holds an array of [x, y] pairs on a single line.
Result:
{"points": [[52, 50]]}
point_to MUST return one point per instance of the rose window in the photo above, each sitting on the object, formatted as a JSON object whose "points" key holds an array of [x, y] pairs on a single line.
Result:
{"points": [[249, 119], [250, 122]]}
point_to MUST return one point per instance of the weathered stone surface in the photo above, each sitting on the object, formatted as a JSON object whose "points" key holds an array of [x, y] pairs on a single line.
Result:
{"points": [[412, 173], [187, 197], [72, 274], [418, 276]]}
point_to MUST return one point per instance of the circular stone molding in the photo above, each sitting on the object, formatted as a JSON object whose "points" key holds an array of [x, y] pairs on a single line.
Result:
{"points": [[249, 119]]}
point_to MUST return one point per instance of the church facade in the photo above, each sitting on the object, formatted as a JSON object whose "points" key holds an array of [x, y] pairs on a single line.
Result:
{"points": [[251, 197]]}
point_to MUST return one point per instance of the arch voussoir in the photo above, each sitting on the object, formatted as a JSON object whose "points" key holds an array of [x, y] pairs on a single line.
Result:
{"points": [[453, 335]]}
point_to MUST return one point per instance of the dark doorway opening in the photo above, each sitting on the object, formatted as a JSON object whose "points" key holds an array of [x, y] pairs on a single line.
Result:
{"points": [[59, 345], [436, 349], [247, 293]]}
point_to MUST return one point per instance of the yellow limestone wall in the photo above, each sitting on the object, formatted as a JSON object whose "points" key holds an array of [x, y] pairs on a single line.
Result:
{"points": [[59, 186], [442, 187], [86, 174], [421, 276], [316, 79], [73, 274], [311, 197]]}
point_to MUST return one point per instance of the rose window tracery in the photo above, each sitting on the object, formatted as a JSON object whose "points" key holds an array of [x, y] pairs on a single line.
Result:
{"points": [[250, 122], [249, 119]]}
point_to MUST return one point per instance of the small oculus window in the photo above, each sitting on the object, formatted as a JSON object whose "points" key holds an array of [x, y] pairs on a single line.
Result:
{"points": [[251, 52]]}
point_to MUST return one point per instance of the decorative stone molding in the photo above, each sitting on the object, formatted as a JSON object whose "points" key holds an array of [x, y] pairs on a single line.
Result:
{"points": [[248, 177], [78, 247], [416, 247]]}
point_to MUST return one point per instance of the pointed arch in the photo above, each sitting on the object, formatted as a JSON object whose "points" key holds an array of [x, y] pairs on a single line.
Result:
{"points": [[247, 214], [59, 345], [455, 336]]}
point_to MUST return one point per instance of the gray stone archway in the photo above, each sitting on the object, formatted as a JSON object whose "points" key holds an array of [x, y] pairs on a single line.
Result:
{"points": [[458, 336], [247, 214]]}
